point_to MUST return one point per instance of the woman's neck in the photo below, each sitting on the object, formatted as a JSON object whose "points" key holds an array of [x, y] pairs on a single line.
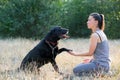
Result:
{"points": [[95, 29]]}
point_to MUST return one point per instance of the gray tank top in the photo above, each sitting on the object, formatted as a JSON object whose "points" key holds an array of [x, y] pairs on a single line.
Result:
{"points": [[101, 54]]}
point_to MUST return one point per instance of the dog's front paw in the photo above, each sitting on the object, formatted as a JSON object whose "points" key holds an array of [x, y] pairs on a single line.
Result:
{"points": [[64, 49], [68, 50]]}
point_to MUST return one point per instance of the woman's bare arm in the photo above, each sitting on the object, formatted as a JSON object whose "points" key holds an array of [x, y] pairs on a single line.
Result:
{"points": [[93, 44]]}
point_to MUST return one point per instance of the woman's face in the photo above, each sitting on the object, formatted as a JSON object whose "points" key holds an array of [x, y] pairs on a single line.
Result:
{"points": [[91, 23]]}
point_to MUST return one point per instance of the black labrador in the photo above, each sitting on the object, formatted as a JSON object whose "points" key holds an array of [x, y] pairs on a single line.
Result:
{"points": [[46, 51]]}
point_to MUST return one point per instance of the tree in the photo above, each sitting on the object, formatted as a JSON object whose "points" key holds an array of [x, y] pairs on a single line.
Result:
{"points": [[25, 18], [33, 18]]}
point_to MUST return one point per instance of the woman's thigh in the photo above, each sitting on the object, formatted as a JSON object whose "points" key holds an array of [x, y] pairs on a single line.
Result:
{"points": [[84, 68]]}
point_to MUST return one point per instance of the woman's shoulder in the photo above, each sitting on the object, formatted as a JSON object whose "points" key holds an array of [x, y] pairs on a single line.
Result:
{"points": [[94, 35], [101, 35]]}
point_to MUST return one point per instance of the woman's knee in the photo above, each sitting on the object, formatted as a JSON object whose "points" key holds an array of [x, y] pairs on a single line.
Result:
{"points": [[77, 71], [74, 70]]}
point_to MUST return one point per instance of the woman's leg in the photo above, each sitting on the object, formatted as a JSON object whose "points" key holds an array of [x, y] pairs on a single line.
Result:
{"points": [[85, 69]]}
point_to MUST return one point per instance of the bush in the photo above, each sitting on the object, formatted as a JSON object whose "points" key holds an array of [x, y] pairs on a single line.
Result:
{"points": [[25, 18], [33, 18], [76, 12]]}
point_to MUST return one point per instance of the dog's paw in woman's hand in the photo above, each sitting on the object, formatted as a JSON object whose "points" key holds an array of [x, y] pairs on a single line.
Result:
{"points": [[65, 49], [69, 50]]}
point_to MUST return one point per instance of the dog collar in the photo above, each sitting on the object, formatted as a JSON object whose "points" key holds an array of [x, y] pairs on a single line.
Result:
{"points": [[51, 46]]}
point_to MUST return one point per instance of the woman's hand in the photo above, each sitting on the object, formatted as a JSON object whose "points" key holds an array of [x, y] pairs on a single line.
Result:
{"points": [[72, 53], [86, 61]]}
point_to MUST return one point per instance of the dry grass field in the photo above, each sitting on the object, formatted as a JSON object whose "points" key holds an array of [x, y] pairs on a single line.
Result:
{"points": [[12, 51]]}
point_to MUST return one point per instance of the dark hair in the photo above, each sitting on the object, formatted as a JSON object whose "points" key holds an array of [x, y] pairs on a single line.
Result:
{"points": [[100, 19]]}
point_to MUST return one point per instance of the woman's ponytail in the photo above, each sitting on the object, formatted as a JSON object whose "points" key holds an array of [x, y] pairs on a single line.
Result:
{"points": [[102, 22]]}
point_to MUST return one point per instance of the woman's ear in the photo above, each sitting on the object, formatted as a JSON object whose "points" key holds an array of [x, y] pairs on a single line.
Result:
{"points": [[96, 22]]}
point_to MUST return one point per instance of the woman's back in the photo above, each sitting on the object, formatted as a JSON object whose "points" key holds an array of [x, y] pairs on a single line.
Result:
{"points": [[101, 53]]}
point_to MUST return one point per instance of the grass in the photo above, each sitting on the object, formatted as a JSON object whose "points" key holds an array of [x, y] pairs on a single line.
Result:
{"points": [[12, 51]]}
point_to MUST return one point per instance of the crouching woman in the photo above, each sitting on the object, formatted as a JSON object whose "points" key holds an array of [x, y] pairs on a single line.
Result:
{"points": [[99, 49]]}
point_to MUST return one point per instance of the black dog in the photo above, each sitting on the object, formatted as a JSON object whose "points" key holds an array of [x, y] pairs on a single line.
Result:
{"points": [[46, 51]]}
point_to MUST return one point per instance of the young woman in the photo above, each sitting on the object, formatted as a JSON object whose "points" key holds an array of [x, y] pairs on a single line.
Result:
{"points": [[99, 48]]}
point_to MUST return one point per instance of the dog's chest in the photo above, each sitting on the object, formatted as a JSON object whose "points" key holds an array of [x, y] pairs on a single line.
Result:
{"points": [[47, 51], [52, 53]]}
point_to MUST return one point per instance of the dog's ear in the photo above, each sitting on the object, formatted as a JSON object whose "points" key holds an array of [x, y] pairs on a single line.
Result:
{"points": [[56, 28], [56, 31]]}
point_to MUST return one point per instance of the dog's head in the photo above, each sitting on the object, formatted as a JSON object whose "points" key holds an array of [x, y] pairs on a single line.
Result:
{"points": [[57, 33], [60, 32]]}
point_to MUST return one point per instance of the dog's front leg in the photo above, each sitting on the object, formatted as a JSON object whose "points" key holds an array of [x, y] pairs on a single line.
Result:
{"points": [[57, 69], [63, 49], [54, 65]]}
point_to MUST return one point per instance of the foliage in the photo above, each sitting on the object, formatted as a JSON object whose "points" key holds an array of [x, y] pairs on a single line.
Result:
{"points": [[25, 18], [77, 11], [33, 18]]}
